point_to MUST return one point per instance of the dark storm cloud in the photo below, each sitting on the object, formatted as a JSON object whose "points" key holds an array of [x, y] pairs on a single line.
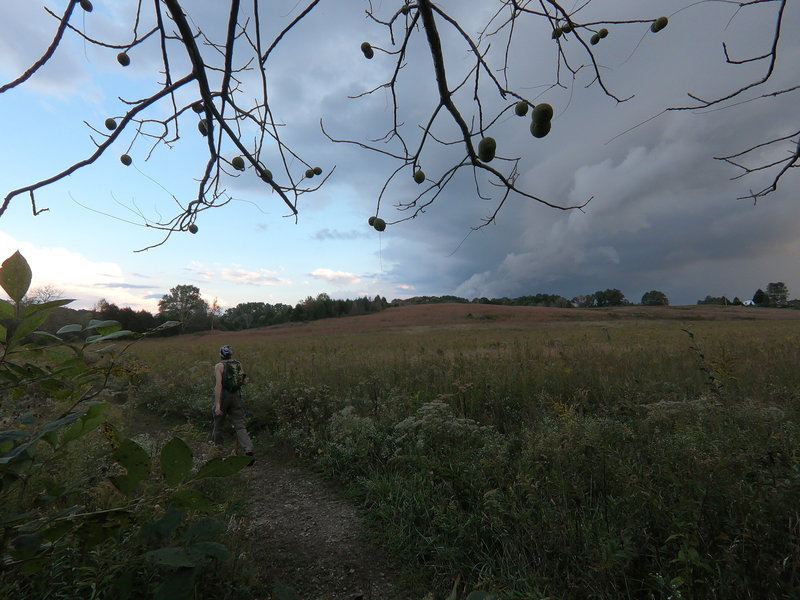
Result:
{"points": [[664, 213]]}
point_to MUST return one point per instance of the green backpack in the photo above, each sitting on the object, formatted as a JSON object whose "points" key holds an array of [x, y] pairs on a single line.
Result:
{"points": [[232, 376]]}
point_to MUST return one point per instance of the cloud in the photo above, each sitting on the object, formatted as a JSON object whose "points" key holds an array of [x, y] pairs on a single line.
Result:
{"points": [[333, 234], [258, 277], [77, 276], [335, 277]]}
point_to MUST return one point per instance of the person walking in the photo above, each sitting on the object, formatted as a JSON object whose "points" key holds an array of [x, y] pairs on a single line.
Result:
{"points": [[228, 381]]}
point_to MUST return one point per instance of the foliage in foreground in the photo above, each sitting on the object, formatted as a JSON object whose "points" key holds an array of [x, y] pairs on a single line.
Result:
{"points": [[86, 515], [671, 471]]}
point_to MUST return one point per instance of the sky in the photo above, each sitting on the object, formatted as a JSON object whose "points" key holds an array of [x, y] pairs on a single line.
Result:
{"points": [[663, 215]]}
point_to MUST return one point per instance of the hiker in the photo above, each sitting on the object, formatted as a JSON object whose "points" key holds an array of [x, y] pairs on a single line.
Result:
{"points": [[228, 380]]}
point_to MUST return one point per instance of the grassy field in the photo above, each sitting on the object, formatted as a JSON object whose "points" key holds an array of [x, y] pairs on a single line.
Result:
{"points": [[539, 453]]}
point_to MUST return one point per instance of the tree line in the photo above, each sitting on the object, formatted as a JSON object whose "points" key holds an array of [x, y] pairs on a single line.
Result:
{"points": [[184, 303], [775, 296]]}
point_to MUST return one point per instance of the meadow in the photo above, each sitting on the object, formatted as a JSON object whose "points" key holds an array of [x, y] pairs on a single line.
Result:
{"points": [[536, 453]]}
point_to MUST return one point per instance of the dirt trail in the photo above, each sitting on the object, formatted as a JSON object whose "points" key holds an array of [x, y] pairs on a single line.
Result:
{"points": [[303, 534]]}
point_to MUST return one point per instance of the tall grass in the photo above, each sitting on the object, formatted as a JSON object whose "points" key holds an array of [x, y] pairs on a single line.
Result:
{"points": [[645, 459]]}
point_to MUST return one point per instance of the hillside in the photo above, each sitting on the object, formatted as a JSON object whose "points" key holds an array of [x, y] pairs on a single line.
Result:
{"points": [[510, 317]]}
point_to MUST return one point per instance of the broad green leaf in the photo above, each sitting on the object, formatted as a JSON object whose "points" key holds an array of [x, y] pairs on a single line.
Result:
{"points": [[34, 308], [35, 565], [6, 310], [176, 461], [479, 595], [13, 434], [222, 467], [178, 585], [58, 423], [10, 520], [47, 334], [211, 550], [57, 531], [93, 339], [15, 276], [204, 528], [70, 329], [169, 522], [131, 456], [104, 327], [26, 326], [26, 545], [192, 499], [170, 557], [89, 421]]}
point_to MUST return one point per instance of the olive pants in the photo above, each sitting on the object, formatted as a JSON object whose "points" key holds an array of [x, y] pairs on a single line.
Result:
{"points": [[231, 404]]}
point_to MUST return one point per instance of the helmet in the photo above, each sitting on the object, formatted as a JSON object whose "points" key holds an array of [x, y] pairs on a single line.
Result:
{"points": [[225, 352]]}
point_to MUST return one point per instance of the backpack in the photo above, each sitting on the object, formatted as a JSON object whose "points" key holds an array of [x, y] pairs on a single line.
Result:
{"points": [[232, 376]]}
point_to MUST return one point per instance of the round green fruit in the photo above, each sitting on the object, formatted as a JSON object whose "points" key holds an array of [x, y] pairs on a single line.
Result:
{"points": [[372, 221], [123, 59], [419, 176], [198, 106], [659, 24], [539, 130], [486, 149], [556, 33], [125, 160], [202, 127], [192, 228], [603, 32], [366, 48], [566, 28], [266, 176], [379, 224], [542, 113], [317, 170], [238, 163], [309, 173], [111, 124], [521, 108], [404, 9], [594, 39], [86, 5]]}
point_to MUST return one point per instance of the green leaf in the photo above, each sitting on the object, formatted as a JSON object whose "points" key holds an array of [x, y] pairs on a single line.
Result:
{"points": [[26, 326], [47, 334], [204, 528], [480, 595], [176, 461], [15, 276], [26, 545], [170, 557], [6, 310], [13, 434], [211, 550], [179, 585], [164, 527], [93, 339], [34, 308], [89, 421], [104, 327], [192, 499], [222, 467], [57, 531], [131, 456], [69, 329]]}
